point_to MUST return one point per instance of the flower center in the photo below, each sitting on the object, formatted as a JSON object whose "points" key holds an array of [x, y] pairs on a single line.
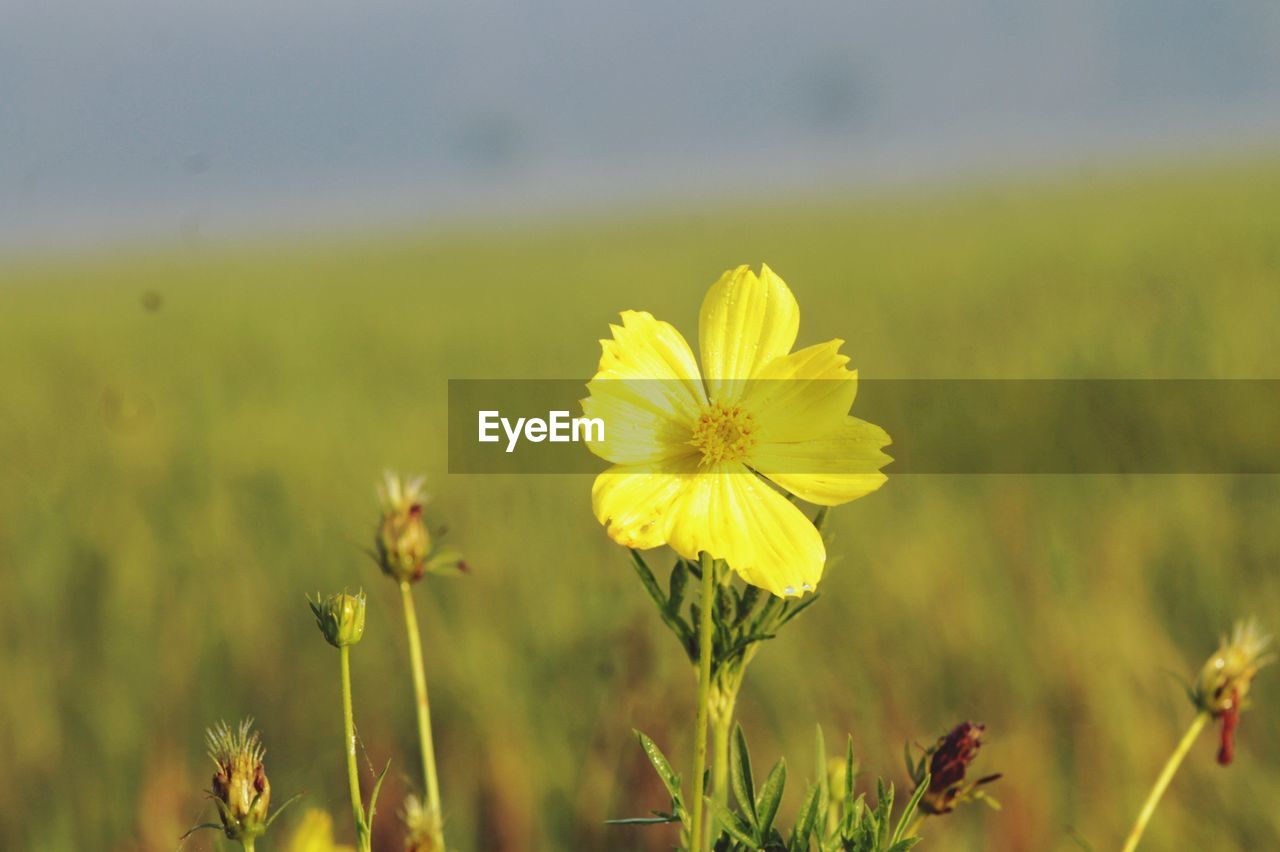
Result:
{"points": [[723, 434]]}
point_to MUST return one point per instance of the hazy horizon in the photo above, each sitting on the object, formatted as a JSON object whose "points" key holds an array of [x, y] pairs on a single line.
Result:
{"points": [[167, 121]]}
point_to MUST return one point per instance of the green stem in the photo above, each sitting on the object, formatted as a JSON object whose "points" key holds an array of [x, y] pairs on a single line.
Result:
{"points": [[424, 716], [349, 731], [698, 839], [246, 843], [1162, 782], [916, 825], [725, 698], [720, 757]]}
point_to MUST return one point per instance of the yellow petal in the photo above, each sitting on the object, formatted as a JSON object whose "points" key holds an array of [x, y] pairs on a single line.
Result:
{"points": [[802, 395], [734, 515], [639, 427], [315, 834], [634, 501], [830, 470], [746, 322], [655, 358]]}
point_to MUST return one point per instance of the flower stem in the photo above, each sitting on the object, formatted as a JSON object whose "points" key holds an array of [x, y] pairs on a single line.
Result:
{"points": [[246, 843], [720, 757], [698, 839], [349, 731], [424, 717], [1162, 782]]}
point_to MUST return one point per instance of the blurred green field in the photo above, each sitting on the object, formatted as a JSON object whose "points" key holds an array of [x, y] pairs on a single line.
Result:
{"points": [[189, 441]]}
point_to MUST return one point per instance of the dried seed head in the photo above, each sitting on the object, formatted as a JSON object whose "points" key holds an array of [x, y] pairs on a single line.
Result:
{"points": [[1226, 676], [240, 785], [403, 542], [340, 617]]}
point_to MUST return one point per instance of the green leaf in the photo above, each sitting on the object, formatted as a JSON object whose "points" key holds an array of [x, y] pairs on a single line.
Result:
{"points": [[884, 810], [280, 809], [820, 519], [373, 797], [747, 602], [850, 769], [211, 825], [733, 824], [670, 779], [446, 563], [650, 583], [743, 786], [678, 584], [824, 782], [791, 611], [660, 819], [647, 579], [770, 797], [908, 815], [806, 820]]}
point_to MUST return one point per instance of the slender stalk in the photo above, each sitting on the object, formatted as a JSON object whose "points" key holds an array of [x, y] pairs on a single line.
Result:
{"points": [[1162, 782], [724, 699], [720, 756], [349, 731], [425, 740], [246, 843], [699, 839], [916, 825]]}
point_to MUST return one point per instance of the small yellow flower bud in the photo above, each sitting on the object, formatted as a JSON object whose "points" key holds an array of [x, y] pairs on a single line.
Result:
{"points": [[1226, 676], [340, 618], [403, 542], [240, 786]]}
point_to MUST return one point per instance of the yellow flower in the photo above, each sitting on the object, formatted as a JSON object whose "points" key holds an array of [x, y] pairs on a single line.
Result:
{"points": [[315, 834], [691, 449]]}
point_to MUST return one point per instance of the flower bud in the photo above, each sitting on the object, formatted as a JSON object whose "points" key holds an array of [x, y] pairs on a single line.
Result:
{"points": [[240, 786], [1226, 676], [403, 543], [947, 763], [340, 618]]}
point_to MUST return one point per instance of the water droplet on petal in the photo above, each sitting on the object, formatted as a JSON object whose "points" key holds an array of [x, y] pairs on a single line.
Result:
{"points": [[789, 590], [807, 587]]}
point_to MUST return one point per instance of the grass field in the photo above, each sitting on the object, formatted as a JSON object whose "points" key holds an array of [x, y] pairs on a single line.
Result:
{"points": [[189, 441]]}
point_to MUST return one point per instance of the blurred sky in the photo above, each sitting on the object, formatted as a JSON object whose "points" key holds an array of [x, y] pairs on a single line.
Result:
{"points": [[167, 119]]}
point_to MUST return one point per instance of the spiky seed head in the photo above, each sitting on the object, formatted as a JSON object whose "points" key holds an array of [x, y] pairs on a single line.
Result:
{"points": [[240, 785], [1226, 676], [340, 617], [403, 543]]}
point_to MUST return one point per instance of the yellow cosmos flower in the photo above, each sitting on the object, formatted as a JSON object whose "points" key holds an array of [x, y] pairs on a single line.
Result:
{"points": [[691, 450]]}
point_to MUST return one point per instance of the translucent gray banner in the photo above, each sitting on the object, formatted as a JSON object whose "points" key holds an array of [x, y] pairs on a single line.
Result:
{"points": [[979, 426]]}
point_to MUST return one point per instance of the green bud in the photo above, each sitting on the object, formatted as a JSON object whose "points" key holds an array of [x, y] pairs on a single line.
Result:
{"points": [[403, 543], [1225, 678], [340, 618], [240, 786]]}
